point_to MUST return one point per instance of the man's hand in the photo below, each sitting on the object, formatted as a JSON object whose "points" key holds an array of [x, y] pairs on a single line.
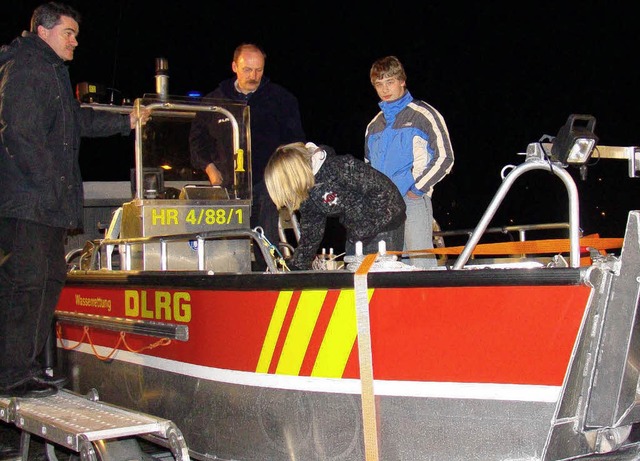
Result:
{"points": [[215, 177], [145, 114]]}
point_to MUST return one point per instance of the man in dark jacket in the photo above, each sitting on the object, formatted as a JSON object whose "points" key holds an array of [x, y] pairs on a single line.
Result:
{"points": [[274, 120], [41, 194]]}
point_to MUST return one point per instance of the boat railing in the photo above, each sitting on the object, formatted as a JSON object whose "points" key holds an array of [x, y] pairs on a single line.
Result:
{"points": [[536, 159], [521, 230], [102, 250], [520, 233]]}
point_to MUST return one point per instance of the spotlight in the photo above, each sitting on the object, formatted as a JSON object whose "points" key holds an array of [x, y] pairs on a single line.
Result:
{"points": [[575, 140]]}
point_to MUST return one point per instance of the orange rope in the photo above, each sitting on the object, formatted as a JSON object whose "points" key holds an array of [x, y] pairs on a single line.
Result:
{"points": [[160, 342], [59, 336], [550, 246], [121, 340], [531, 247]]}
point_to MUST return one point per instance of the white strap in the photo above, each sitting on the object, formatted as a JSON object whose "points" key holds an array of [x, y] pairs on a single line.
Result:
{"points": [[369, 424]]}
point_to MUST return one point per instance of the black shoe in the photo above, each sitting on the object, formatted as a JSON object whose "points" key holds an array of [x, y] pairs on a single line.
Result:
{"points": [[30, 389], [44, 378]]}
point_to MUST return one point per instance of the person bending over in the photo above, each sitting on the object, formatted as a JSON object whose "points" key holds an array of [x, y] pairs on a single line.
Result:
{"points": [[319, 184]]}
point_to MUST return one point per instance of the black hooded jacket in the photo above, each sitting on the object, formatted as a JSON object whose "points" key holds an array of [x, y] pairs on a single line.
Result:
{"points": [[365, 201], [40, 128]]}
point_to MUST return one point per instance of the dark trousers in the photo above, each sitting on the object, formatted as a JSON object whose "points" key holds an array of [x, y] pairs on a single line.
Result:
{"points": [[394, 240], [264, 214], [31, 280]]}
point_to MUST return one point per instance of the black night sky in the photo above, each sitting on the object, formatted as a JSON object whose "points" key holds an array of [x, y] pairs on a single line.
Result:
{"points": [[502, 76]]}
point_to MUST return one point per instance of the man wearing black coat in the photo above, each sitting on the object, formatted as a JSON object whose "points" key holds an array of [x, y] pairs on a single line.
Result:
{"points": [[41, 195], [274, 120]]}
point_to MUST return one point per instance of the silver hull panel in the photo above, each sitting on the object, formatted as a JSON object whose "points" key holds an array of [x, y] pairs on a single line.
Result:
{"points": [[240, 422]]}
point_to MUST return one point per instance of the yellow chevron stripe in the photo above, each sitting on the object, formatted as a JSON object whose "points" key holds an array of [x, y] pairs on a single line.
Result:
{"points": [[302, 326], [273, 332], [339, 338]]}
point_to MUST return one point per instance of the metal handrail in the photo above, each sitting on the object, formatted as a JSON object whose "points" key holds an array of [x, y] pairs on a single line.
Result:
{"points": [[169, 108], [521, 229], [201, 237], [139, 327], [180, 107], [536, 160]]}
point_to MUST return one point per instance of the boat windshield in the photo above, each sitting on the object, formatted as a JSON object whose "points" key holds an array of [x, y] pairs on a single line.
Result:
{"points": [[183, 136]]}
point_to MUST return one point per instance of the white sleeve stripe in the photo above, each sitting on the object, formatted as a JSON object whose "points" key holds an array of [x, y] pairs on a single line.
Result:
{"points": [[443, 151]]}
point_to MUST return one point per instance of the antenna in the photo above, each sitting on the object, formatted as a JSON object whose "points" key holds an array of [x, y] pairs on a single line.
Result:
{"points": [[162, 77]]}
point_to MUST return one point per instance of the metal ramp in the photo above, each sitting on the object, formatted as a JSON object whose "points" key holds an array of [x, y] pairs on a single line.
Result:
{"points": [[76, 422]]}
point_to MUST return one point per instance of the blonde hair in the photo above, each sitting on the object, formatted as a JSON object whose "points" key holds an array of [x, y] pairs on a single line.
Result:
{"points": [[387, 67], [289, 176]]}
